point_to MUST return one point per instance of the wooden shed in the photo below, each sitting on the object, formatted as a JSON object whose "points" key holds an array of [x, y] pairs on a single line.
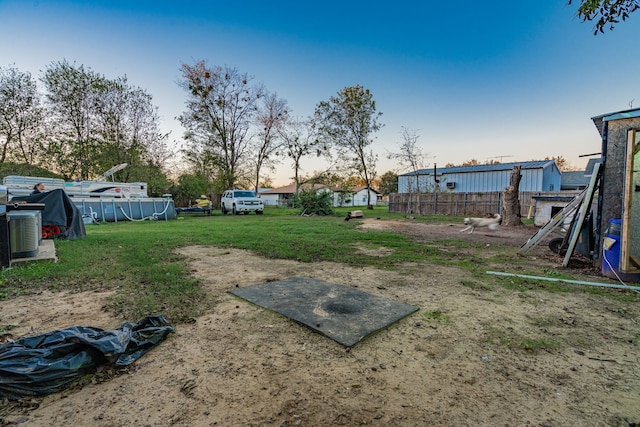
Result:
{"points": [[619, 195]]}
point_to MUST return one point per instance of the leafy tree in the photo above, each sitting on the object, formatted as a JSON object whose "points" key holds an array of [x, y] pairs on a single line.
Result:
{"points": [[94, 124], [100, 123], [272, 114], [314, 202], [388, 183], [606, 12], [266, 182], [221, 104], [206, 163], [10, 168], [348, 120], [152, 170], [21, 117], [354, 181], [342, 184], [71, 96], [332, 178], [190, 187], [155, 161], [562, 163]]}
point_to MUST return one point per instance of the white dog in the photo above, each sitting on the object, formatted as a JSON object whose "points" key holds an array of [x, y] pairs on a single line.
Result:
{"points": [[490, 223]]}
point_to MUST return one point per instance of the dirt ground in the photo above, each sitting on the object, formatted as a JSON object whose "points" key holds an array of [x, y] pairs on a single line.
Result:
{"points": [[241, 365]]}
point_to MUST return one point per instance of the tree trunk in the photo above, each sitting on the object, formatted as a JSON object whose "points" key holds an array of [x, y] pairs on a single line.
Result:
{"points": [[510, 201]]}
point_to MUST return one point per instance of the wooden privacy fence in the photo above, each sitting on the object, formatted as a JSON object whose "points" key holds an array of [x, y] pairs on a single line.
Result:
{"points": [[462, 204]]}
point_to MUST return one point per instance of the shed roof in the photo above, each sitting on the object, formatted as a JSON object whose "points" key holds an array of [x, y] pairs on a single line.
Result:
{"points": [[588, 171], [624, 114], [536, 164], [356, 189], [574, 179]]}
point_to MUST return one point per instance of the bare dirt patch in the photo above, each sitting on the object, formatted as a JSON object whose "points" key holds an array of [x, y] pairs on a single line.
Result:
{"points": [[462, 359]]}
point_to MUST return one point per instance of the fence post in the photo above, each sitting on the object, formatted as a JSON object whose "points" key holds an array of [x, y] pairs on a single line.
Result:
{"points": [[435, 203], [464, 208]]}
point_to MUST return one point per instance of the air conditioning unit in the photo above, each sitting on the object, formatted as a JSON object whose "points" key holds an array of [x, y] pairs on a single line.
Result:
{"points": [[25, 233], [451, 185]]}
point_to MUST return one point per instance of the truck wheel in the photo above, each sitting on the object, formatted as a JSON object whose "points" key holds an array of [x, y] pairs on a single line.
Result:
{"points": [[235, 212], [223, 210]]}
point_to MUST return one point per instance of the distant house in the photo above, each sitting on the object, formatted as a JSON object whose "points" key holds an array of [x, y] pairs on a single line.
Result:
{"points": [[578, 180], [355, 196], [283, 196], [542, 175]]}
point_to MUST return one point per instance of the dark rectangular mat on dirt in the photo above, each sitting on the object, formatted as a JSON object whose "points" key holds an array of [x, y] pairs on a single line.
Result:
{"points": [[343, 314]]}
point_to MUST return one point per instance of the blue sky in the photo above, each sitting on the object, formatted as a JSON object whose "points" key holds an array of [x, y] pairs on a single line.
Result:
{"points": [[476, 80]]}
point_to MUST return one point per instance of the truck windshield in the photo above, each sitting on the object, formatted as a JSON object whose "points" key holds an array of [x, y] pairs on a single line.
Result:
{"points": [[245, 194]]}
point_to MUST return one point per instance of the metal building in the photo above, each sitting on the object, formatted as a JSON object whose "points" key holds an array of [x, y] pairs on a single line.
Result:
{"points": [[542, 175]]}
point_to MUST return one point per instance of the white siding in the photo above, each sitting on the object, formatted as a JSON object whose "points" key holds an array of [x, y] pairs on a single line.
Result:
{"points": [[354, 199], [270, 199]]}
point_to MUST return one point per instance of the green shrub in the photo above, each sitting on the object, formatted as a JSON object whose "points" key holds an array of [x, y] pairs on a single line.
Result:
{"points": [[311, 202]]}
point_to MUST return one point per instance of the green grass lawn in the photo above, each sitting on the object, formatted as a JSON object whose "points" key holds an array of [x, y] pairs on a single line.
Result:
{"points": [[137, 259]]}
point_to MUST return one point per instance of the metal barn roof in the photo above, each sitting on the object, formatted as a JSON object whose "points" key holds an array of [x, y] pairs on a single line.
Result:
{"points": [[574, 180], [537, 164]]}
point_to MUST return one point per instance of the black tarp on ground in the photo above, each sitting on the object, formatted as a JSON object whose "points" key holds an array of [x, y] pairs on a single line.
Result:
{"points": [[47, 363], [60, 211], [343, 314]]}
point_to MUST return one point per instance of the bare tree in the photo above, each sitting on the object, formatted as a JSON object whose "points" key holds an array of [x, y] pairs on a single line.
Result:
{"points": [[348, 120], [272, 114], [220, 106], [101, 122], [411, 156], [300, 139], [127, 130], [21, 117]]}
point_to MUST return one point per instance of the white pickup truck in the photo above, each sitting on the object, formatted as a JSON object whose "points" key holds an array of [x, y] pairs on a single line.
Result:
{"points": [[241, 201]]}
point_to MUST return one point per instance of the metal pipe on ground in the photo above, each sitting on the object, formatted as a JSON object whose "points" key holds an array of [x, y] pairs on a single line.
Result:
{"points": [[573, 282]]}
